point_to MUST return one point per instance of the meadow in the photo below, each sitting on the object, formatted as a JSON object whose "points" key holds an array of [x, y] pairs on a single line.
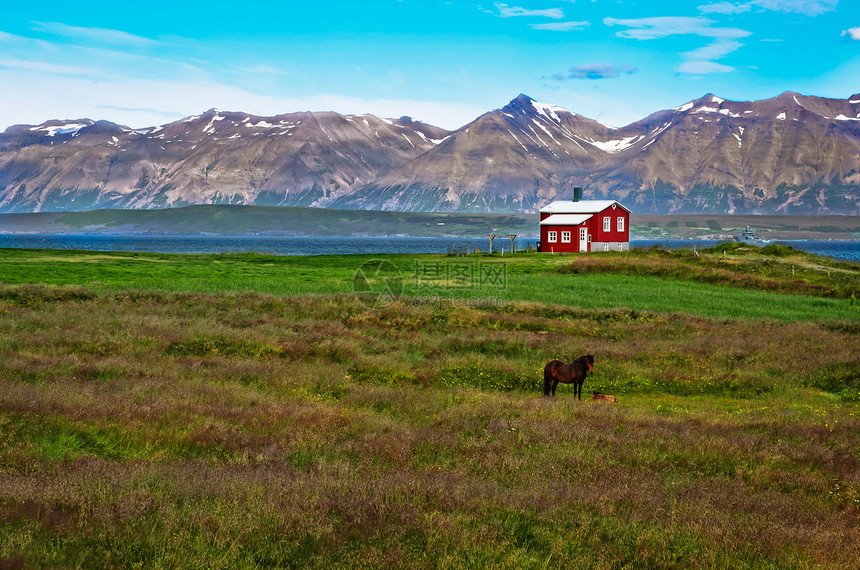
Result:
{"points": [[249, 411]]}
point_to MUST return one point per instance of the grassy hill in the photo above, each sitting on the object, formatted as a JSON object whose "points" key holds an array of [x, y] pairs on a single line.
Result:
{"points": [[270, 220], [646, 226], [231, 220]]}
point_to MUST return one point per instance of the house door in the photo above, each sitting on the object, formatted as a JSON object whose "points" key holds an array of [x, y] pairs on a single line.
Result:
{"points": [[583, 239]]}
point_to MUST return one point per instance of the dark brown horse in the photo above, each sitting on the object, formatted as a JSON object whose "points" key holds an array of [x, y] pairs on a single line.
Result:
{"points": [[567, 373]]}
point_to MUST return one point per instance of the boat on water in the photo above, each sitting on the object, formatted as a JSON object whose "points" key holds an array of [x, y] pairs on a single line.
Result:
{"points": [[749, 236]]}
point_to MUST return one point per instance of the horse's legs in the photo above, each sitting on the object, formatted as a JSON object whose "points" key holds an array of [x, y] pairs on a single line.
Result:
{"points": [[548, 379], [554, 384], [578, 390]]}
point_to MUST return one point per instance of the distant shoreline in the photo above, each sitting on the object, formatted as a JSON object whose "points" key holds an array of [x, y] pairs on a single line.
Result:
{"points": [[274, 221]]}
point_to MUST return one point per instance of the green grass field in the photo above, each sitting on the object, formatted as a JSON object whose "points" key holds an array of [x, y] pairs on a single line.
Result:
{"points": [[252, 411], [761, 285]]}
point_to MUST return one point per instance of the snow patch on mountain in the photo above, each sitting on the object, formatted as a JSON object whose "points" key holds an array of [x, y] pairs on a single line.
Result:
{"points": [[615, 146], [546, 130], [209, 128], [63, 129], [550, 111], [726, 112]]}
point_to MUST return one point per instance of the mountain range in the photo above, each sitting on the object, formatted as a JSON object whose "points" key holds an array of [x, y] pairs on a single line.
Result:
{"points": [[791, 154]]}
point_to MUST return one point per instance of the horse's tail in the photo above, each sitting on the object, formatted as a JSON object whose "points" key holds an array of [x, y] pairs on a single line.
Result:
{"points": [[547, 380]]}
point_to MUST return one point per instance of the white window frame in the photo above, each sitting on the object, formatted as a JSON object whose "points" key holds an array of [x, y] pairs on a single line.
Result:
{"points": [[606, 246], [551, 236], [620, 223], [565, 236], [607, 224], [620, 246]]}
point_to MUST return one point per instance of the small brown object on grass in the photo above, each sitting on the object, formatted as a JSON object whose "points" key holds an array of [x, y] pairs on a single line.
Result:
{"points": [[604, 397]]}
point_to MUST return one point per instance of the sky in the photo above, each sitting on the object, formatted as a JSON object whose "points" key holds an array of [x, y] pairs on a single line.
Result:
{"points": [[444, 62]]}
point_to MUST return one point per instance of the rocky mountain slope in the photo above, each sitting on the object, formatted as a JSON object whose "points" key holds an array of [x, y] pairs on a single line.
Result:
{"points": [[516, 158], [215, 158], [789, 154]]}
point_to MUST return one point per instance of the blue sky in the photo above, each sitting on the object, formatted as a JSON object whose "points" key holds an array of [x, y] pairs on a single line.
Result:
{"points": [[441, 61]]}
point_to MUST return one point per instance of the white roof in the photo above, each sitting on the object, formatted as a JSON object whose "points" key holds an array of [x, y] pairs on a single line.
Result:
{"points": [[581, 207], [565, 219]]}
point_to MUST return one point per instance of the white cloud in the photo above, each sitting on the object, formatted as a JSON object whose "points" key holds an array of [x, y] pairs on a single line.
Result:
{"points": [[44, 67], [148, 111], [703, 67], [109, 79], [96, 61], [506, 11], [699, 60], [561, 26], [664, 26], [806, 7], [720, 48], [853, 33], [725, 8], [98, 35], [138, 103], [256, 69]]}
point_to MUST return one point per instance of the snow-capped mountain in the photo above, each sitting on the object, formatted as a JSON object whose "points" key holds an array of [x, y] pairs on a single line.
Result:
{"points": [[516, 158], [788, 154], [217, 157]]}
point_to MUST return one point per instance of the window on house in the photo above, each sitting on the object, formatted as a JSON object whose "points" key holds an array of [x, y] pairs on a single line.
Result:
{"points": [[607, 223], [620, 246], [620, 223], [551, 237], [606, 246], [565, 237]]}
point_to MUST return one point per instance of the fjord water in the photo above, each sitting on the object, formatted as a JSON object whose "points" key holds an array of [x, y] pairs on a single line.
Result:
{"points": [[280, 245]]}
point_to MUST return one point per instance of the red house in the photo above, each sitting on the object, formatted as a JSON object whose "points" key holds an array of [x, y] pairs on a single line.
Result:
{"points": [[584, 225]]}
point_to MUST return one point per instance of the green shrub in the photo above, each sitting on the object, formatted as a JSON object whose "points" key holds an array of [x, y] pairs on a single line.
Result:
{"points": [[778, 250]]}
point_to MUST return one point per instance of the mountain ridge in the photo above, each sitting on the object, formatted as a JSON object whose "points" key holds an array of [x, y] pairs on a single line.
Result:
{"points": [[791, 153]]}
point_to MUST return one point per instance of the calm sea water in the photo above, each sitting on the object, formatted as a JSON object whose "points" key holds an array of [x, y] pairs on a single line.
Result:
{"points": [[847, 250]]}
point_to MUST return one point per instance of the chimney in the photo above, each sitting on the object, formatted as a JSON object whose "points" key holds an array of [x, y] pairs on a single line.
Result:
{"points": [[577, 193]]}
